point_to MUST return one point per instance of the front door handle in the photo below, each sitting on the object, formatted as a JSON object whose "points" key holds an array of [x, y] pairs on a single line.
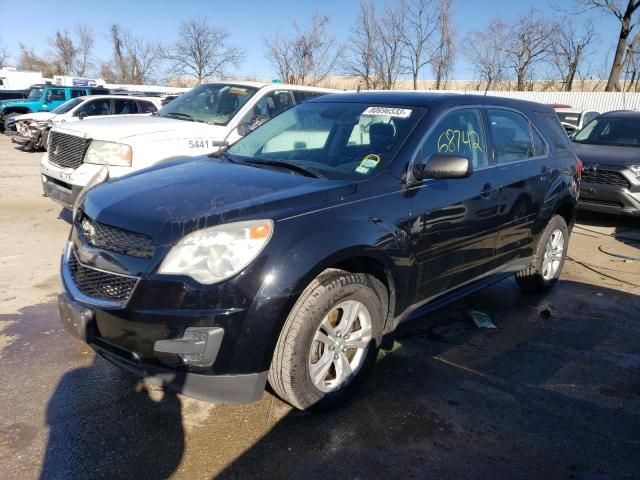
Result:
{"points": [[487, 190]]}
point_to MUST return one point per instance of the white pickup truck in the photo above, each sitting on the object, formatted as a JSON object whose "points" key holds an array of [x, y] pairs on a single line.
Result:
{"points": [[196, 123]]}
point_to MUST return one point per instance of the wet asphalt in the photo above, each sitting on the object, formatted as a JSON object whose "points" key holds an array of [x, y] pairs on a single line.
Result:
{"points": [[553, 392]]}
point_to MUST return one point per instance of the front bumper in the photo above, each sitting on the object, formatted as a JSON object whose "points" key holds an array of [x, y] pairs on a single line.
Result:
{"points": [[59, 191], [610, 199]]}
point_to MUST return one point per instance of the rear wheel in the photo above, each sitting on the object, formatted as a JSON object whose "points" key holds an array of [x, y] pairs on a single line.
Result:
{"points": [[547, 263], [329, 342]]}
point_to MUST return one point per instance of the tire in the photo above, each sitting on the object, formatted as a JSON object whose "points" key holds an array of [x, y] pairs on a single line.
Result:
{"points": [[6, 119], [541, 275], [331, 298]]}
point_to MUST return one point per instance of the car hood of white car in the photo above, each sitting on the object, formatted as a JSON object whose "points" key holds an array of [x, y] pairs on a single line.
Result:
{"points": [[123, 128], [36, 116]]}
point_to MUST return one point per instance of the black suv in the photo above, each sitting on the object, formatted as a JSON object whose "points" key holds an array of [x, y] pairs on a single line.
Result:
{"points": [[609, 148], [293, 255]]}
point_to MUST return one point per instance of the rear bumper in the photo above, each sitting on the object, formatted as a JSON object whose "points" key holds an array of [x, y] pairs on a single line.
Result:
{"points": [[609, 199]]}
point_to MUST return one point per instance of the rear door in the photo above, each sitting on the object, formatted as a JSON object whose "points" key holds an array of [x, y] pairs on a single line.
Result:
{"points": [[525, 171], [455, 221]]}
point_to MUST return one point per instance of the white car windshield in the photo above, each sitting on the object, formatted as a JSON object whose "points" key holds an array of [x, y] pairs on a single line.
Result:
{"points": [[215, 104], [67, 106]]}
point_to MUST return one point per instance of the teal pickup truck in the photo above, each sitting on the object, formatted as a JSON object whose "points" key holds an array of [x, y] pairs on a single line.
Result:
{"points": [[42, 98]]}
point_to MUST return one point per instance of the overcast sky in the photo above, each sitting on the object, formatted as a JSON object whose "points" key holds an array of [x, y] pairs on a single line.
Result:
{"points": [[248, 21]]}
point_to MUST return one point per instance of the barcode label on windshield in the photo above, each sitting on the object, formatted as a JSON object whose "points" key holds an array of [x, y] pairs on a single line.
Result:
{"points": [[388, 111]]}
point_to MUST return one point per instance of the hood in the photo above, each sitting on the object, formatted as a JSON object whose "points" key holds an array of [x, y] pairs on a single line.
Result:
{"points": [[175, 198], [16, 103], [607, 154], [121, 128], [37, 116]]}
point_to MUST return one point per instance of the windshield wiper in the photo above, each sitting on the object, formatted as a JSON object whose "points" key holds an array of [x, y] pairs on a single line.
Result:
{"points": [[186, 116], [289, 165]]}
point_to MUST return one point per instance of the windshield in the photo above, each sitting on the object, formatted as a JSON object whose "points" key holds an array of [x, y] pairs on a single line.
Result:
{"points": [[336, 140], [215, 103], [35, 94], [623, 132], [67, 106], [571, 118]]}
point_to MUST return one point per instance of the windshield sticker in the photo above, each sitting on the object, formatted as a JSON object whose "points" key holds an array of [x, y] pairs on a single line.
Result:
{"points": [[388, 111], [450, 141], [370, 161], [238, 91]]}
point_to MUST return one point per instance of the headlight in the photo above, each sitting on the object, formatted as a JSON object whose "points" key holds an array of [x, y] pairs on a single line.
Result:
{"points": [[635, 169], [108, 153], [217, 253]]}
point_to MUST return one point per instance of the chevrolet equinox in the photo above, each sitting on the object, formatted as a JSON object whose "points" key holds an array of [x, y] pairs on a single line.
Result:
{"points": [[292, 256]]}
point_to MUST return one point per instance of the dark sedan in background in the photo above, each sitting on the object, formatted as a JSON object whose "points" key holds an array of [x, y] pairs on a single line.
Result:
{"points": [[609, 148]]}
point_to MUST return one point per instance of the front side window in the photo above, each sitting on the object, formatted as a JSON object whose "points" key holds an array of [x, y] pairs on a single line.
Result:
{"points": [[125, 107], [77, 93], [320, 137], [615, 131], [146, 107], [511, 135], [55, 95], [215, 103], [459, 133], [267, 107], [95, 108]]}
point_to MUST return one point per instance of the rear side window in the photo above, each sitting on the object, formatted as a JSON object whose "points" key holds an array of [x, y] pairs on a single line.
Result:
{"points": [[554, 131], [458, 133], [146, 107], [301, 95], [511, 135]]}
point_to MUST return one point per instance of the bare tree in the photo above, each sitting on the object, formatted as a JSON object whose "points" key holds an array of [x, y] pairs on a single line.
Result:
{"points": [[444, 56], [528, 44], [84, 50], [360, 57], [390, 49], [4, 54], [623, 11], [421, 27], [64, 53], [305, 57], [568, 49], [29, 60], [134, 60], [485, 51], [202, 51]]}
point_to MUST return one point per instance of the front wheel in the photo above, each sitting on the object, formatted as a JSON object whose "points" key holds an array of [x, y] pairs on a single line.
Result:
{"points": [[547, 263], [329, 342]]}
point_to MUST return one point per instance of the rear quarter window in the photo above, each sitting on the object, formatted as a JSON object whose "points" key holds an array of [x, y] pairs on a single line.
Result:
{"points": [[553, 130]]}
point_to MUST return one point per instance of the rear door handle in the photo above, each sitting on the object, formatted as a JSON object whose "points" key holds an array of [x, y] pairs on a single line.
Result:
{"points": [[487, 190]]}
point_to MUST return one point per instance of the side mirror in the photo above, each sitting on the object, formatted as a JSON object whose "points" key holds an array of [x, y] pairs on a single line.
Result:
{"points": [[443, 166], [83, 115]]}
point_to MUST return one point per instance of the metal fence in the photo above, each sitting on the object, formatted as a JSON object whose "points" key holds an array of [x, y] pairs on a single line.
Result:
{"points": [[598, 101]]}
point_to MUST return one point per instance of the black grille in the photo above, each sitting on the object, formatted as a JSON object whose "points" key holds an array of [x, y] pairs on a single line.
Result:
{"points": [[100, 285], [604, 177], [67, 150], [597, 201], [115, 239]]}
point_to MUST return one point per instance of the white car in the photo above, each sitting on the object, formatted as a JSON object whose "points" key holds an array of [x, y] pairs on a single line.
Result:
{"points": [[32, 129], [199, 122], [573, 119]]}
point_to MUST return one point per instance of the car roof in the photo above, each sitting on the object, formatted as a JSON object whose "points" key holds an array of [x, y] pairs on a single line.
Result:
{"points": [[273, 85], [573, 110], [428, 99], [622, 114], [114, 96]]}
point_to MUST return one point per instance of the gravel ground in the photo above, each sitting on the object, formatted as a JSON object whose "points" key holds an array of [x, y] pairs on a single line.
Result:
{"points": [[553, 392]]}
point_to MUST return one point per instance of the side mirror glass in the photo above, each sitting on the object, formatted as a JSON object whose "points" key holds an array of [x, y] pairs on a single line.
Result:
{"points": [[443, 166]]}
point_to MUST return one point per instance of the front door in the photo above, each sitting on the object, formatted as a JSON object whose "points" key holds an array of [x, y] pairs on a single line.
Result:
{"points": [[455, 221]]}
